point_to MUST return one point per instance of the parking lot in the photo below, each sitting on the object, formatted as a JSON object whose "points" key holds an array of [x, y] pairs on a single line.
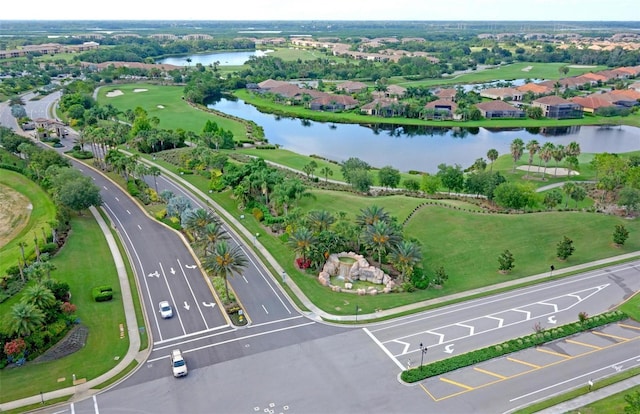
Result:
{"points": [[527, 361]]}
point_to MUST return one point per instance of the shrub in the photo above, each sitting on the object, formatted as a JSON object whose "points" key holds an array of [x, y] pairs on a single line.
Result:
{"points": [[49, 248], [102, 293], [257, 213]]}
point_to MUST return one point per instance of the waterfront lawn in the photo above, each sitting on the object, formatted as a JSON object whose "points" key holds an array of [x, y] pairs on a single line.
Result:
{"points": [[84, 262], [176, 112], [42, 213]]}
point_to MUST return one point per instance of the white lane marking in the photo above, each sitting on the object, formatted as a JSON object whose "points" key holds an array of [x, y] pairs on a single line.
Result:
{"points": [[139, 227], [439, 335], [164, 276], [497, 319], [471, 304], [233, 340], [255, 325], [117, 199], [128, 211], [472, 329], [406, 346], [384, 349], [192, 294], [448, 349], [123, 230], [73, 410], [245, 279], [105, 187], [175, 338], [95, 404], [588, 374], [523, 311], [555, 307], [265, 310]]}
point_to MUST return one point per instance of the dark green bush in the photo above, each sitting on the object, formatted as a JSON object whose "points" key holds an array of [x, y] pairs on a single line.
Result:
{"points": [[102, 293], [49, 248]]}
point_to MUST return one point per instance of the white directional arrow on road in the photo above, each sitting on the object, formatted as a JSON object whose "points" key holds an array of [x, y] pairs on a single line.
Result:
{"points": [[186, 305], [190, 266], [173, 272], [156, 274], [448, 349], [209, 304], [552, 319]]}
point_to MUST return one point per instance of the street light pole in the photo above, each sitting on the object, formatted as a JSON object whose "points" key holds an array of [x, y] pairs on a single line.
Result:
{"points": [[423, 350], [357, 309]]}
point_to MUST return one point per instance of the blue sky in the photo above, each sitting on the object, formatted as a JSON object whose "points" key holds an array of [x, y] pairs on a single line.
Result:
{"points": [[541, 10]]}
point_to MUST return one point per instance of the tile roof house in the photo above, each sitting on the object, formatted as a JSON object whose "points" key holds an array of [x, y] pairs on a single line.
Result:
{"points": [[331, 102], [499, 109], [557, 107], [382, 107], [441, 109], [447, 93], [536, 88], [502, 94], [270, 84], [595, 76], [591, 103], [352, 87]]}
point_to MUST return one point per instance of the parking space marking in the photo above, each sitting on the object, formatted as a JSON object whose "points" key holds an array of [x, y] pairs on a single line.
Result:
{"points": [[629, 326], [523, 362], [484, 371], [610, 336], [553, 353], [456, 383], [573, 341]]}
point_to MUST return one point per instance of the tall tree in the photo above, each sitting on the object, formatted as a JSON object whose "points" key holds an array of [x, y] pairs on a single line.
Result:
{"points": [[372, 214], [326, 171], [517, 148], [532, 147], [492, 155], [405, 256], [389, 177], [320, 220], [226, 261], [25, 318], [546, 153], [380, 237], [302, 241]]}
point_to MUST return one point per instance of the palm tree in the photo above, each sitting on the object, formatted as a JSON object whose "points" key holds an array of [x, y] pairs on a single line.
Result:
{"points": [[546, 153], [372, 214], [492, 155], [320, 220], [155, 172], [558, 154], [225, 261], [517, 148], [532, 146], [25, 318], [380, 237], [211, 235], [568, 189], [326, 171], [404, 256], [572, 151], [302, 240], [197, 220], [39, 296]]}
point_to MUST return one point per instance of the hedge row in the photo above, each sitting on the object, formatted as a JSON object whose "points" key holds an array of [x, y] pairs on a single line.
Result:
{"points": [[102, 293], [512, 345]]}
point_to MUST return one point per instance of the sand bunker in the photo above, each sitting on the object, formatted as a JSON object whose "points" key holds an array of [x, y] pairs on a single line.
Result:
{"points": [[558, 172], [160, 106], [113, 94], [527, 69], [140, 90]]}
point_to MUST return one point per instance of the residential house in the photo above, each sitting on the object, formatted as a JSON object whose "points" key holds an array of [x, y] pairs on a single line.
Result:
{"points": [[392, 91], [499, 109], [331, 102], [352, 87], [502, 94], [270, 84], [535, 88], [635, 86], [441, 109], [595, 77], [557, 107], [448, 94], [382, 107], [592, 103]]}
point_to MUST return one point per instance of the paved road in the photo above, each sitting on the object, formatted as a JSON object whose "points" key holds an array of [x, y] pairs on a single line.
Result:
{"points": [[286, 362]]}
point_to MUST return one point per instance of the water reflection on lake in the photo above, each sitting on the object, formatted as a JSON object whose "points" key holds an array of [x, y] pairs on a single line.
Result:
{"points": [[419, 148], [206, 59]]}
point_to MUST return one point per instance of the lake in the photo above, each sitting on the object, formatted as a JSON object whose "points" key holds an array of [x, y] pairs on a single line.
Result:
{"points": [[224, 58], [420, 149]]}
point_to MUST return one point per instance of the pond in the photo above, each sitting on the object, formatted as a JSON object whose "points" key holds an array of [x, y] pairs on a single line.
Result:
{"points": [[206, 59], [418, 148]]}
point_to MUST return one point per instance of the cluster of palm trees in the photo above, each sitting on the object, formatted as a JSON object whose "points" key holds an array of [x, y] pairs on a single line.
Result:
{"points": [[374, 232], [546, 152], [211, 241]]}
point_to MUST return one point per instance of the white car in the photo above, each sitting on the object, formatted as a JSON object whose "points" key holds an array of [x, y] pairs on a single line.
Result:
{"points": [[178, 365], [165, 310]]}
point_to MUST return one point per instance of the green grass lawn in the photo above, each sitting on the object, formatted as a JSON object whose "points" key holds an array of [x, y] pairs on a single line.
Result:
{"points": [[175, 113], [84, 262], [614, 404], [42, 214]]}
